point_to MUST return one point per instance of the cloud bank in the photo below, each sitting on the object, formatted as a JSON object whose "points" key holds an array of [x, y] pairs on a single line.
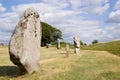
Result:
{"points": [[71, 17]]}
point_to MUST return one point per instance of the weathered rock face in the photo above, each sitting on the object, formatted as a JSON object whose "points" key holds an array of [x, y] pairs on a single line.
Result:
{"points": [[24, 46], [76, 44]]}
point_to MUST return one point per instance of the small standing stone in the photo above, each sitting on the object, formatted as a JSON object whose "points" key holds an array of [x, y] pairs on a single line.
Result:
{"points": [[76, 45], [67, 50], [47, 45], [58, 43], [24, 46]]}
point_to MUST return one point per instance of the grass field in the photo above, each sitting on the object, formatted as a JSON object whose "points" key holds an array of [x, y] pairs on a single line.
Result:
{"points": [[112, 47], [88, 65]]}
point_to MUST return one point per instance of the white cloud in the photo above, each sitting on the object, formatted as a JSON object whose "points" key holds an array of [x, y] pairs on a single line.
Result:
{"points": [[5, 37], [117, 5], [113, 32], [91, 6], [8, 21], [59, 3], [87, 30], [114, 17], [2, 9], [75, 4], [7, 24]]}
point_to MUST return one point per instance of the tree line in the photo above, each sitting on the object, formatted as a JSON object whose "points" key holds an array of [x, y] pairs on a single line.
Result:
{"points": [[50, 35]]}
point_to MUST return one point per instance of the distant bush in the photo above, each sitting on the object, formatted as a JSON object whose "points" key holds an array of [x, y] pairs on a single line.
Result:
{"points": [[1, 44], [95, 41]]}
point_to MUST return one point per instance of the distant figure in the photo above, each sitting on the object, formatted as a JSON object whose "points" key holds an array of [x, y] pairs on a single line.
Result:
{"points": [[67, 50], [76, 45], [58, 43]]}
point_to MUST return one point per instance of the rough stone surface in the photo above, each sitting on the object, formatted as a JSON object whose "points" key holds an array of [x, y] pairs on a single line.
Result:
{"points": [[58, 43], [24, 46], [76, 44]]}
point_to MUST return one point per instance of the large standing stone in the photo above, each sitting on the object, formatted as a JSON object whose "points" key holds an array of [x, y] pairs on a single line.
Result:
{"points": [[24, 46], [76, 45]]}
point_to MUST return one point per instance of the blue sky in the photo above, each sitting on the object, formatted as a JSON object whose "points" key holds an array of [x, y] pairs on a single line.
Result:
{"points": [[88, 19]]}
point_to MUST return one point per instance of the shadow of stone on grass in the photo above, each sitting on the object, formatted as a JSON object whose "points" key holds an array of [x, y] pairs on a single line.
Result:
{"points": [[10, 71], [62, 53]]}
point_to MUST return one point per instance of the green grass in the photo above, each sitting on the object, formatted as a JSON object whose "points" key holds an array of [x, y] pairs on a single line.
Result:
{"points": [[54, 65], [112, 47]]}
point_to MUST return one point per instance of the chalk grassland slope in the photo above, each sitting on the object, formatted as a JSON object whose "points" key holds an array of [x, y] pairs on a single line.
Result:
{"points": [[89, 65], [112, 47]]}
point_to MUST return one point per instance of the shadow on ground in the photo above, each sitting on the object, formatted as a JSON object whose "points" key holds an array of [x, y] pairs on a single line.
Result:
{"points": [[10, 71], [62, 53]]}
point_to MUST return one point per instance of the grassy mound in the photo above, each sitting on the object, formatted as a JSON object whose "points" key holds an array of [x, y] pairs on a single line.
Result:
{"points": [[112, 47]]}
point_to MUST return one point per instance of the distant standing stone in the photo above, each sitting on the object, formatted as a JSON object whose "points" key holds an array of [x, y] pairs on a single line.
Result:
{"points": [[58, 43], [67, 50], [76, 45], [47, 45], [24, 46]]}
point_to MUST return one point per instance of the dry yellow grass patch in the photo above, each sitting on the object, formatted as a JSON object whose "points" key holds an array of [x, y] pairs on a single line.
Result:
{"points": [[54, 65]]}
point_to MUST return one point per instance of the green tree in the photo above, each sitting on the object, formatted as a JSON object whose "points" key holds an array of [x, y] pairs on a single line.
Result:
{"points": [[85, 44], [94, 41], [49, 34], [81, 43]]}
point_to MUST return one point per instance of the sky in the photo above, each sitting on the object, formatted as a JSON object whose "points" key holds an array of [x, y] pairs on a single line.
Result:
{"points": [[88, 19]]}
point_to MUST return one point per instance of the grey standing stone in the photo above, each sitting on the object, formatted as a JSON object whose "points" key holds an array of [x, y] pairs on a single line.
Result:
{"points": [[58, 43], [67, 50], [76, 45], [24, 46], [47, 45]]}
